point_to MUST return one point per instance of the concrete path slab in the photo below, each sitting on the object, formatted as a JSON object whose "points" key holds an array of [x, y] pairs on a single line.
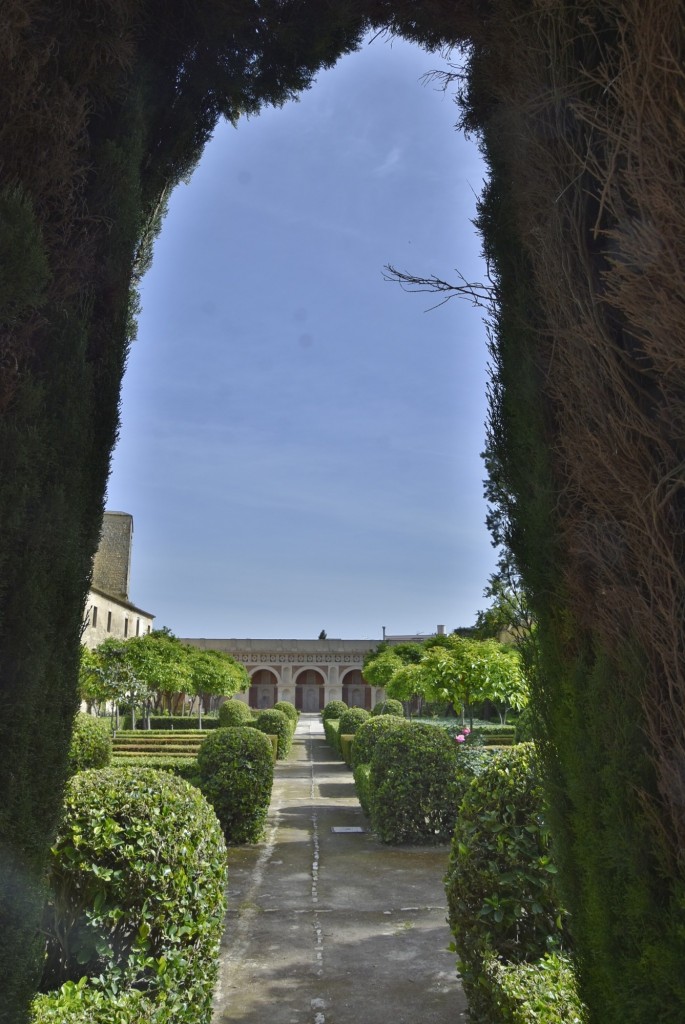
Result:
{"points": [[329, 927]]}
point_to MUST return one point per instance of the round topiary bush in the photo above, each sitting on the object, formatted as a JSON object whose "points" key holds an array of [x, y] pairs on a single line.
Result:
{"points": [[137, 881], [368, 734], [333, 709], [414, 795], [501, 882], [91, 743], [277, 723], [236, 771], [234, 712], [389, 707], [288, 709], [351, 719]]}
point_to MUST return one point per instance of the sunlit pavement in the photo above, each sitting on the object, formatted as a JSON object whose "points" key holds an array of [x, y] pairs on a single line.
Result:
{"points": [[333, 927]]}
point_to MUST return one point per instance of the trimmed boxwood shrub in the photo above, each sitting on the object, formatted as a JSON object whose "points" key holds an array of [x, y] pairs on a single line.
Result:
{"points": [[235, 712], [500, 884], [333, 709], [91, 743], [288, 709], [543, 992], [414, 794], [351, 719], [236, 771], [276, 723], [369, 732], [137, 880], [389, 707]]}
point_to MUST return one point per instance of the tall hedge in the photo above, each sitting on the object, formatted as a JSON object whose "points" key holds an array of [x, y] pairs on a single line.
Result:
{"points": [[581, 219], [100, 117]]}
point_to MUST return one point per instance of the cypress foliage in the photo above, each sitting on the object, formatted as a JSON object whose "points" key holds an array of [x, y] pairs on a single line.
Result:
{"points": [[579, 442], [102, 112]]}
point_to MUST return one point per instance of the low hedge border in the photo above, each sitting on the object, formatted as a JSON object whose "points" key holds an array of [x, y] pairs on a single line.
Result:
{"points": [[362, 783], [171, 722], [331, 728], [346, 748]]}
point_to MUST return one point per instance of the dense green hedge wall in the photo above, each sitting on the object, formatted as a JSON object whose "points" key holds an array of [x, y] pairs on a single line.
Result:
{"points": [[277, 723], [333, 709], [137, 883], [543, 992], [91, 743], [368, 734], [236, 770], [501, 881], [414, 794], [389, 707]]}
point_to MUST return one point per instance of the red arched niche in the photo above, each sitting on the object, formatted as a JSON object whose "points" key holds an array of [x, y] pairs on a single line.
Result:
{"points": [[309, 690], [356, 692], [263, 689]]}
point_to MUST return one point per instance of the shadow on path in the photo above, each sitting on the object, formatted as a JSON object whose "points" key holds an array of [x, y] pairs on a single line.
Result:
{"points": [[329, 927]]}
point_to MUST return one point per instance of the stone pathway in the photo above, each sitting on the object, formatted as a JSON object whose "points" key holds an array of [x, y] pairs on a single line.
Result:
{"points": [[329, 927]]}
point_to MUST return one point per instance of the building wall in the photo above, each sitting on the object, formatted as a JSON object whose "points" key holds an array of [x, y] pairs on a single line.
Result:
{"points": [[308, 673], [106, 617], [112, 563]]}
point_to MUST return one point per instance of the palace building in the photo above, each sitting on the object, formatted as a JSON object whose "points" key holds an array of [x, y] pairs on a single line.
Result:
{"points": [[308, 673]]}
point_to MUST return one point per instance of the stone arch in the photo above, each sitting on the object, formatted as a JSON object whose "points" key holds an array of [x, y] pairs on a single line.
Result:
{"points": [[356, 692], [263, 688], [309, 690]]}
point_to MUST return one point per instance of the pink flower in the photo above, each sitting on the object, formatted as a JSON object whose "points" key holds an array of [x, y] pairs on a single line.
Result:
{"points": [[466, 732], [460, 738]]}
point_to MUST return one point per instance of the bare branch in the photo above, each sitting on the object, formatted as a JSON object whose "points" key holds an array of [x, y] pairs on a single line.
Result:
{"points": [[478, 294]]}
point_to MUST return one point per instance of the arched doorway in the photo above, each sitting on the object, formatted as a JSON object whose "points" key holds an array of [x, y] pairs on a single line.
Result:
{"points": [[356, 692], [309, 690], [263, 689]]}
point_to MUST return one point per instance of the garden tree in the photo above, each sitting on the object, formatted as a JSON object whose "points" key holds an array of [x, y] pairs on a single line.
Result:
{"points": [[120, 682], [90, 686], [409, 683], [468, 671], [509, 617], [215, 673], [161, 662], [380, 666]]}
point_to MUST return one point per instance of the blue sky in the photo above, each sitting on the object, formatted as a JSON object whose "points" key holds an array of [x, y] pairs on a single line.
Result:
{"points": [[300, 439]]}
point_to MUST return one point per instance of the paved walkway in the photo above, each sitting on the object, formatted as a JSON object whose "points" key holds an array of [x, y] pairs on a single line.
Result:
{"points": [[329, 927]]}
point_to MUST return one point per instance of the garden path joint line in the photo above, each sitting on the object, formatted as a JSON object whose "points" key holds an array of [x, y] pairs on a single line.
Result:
{"points": [[329, 927]]}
